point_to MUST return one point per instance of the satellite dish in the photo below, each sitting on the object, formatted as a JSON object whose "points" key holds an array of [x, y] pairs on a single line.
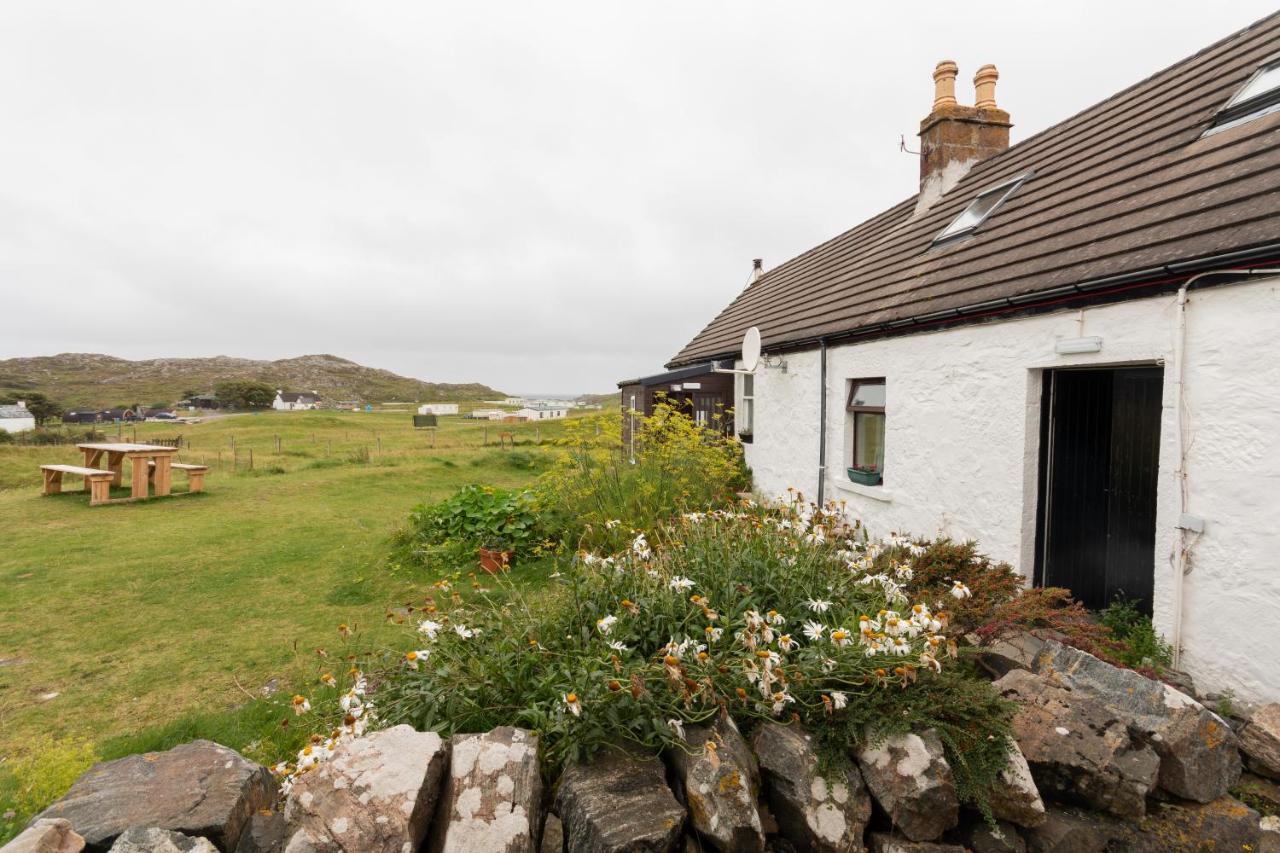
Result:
{"points": [[751, 349]]}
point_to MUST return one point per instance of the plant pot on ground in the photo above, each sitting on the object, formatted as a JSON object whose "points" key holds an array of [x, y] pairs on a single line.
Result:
{"points": [[865, 476], [495, 558]]}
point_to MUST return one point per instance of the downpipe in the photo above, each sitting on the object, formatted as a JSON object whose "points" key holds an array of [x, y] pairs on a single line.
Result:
{"points": [[822, 423]]}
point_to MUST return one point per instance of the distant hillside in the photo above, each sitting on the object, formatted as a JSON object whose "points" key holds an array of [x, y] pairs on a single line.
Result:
{"points": [[91, 380]]}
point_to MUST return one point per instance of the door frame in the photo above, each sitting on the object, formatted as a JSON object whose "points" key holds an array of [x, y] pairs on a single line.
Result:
{"points": [[1045, 452]]}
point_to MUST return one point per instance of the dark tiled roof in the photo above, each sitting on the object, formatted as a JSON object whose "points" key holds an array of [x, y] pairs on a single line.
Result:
{"points": [[1125, 186]]}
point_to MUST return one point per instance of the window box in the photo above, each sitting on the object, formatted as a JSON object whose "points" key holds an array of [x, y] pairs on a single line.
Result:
{"points": [[865, 476]]}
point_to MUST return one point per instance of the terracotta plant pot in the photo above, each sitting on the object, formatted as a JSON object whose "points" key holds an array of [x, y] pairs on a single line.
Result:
{"points": [[494, 562]]}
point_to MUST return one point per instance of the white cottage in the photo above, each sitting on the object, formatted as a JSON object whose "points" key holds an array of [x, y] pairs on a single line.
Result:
{"points": [[16, 418], [288, 401], [1065, 349]]}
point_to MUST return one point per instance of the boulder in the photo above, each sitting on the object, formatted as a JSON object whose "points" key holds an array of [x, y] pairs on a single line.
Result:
{"points": [[619, 802], [265, 833], [1198, 756], [717, 778], [1260, 741], [1077, 749], [883, 842], [1224, 824], [1269, 835], [1016, 651], [492, 796], [46, 835], [1071, 831], [141, 839], [1004, 838], [552, 835], [911, 780], [816, 809], [375, 794], [1198, 752], [1015, 797], [198, 788]]}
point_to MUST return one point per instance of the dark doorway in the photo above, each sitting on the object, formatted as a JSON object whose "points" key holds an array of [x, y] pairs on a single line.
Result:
{"points": [[1099, 463]]}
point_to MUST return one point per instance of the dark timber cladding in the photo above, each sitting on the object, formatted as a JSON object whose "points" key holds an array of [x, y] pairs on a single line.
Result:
{"points": [[1128, 185], [707, 396]]}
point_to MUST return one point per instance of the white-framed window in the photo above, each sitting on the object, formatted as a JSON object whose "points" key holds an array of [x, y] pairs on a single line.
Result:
{"points": [[866, 430], [979, 210], [744, 416], [1259, 96]]}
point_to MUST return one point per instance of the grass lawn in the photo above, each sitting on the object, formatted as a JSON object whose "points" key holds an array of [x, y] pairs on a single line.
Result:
{"points": [[134, 625]]}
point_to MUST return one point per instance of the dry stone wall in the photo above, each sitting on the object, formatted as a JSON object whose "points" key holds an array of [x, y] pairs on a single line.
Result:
{"points": [[1104, 760]]}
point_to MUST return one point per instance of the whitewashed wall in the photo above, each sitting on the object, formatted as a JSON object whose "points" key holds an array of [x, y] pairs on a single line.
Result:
{"points": [[17, 424], [961, 450]]}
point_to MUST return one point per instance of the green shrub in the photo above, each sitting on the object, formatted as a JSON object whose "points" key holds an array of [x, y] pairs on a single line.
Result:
{"points": [[475, 517], [1140, 647], [673, 465], [758, 614]]}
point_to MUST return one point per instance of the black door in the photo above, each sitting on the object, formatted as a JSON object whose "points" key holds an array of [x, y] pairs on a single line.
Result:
{"points": [[1099, 460]]}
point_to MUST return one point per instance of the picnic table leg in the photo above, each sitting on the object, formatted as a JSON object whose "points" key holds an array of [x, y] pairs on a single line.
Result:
{"points": [[115, 464], [101, 490], [164, 475], [52, 482], [139, 476]]}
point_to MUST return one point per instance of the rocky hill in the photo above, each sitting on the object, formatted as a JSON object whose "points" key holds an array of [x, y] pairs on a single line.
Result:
{"points": [[90, 379]]}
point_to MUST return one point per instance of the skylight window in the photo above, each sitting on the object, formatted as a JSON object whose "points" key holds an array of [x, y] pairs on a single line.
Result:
{"points": [[979, 209], [1259, 96]]}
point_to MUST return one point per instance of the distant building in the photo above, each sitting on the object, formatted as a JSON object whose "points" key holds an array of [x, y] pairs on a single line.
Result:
{"points": [[542, 413], [82, 416], [438, 409], [290, 401], [205, 401], [487, 414], [16, 418]]}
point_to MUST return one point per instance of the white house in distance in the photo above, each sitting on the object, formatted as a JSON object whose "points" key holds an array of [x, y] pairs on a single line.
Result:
{"points": [[1064, 349], [487, 414], [542, 413], [438, 409], [16, 418], [288, 401]]}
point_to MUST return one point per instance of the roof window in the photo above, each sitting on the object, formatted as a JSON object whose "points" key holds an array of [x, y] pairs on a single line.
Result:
{"points": [[1259, 96], [979, 209]]}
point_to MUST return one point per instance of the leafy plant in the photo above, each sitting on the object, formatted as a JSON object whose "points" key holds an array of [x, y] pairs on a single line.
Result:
{"points": [[1139, 644], [757, 613], [476, 516], [668, 465]]}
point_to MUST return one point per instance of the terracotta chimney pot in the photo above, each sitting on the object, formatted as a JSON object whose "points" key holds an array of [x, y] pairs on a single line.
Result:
{"points": [[984, 87], [944, 84]]}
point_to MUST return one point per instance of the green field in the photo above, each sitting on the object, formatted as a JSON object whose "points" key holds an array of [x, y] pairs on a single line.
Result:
{"points": [[139, 614]]}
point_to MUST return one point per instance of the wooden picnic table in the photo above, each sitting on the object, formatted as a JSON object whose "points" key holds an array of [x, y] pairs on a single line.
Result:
{"points": [[141, 456]]}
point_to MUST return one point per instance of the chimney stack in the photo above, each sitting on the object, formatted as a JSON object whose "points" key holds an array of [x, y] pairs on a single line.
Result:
{"points": [[954, 137], [757, 270]]}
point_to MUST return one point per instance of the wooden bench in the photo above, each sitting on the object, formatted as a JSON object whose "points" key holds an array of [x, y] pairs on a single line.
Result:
{"points": [[195, 474], [96, 482]]}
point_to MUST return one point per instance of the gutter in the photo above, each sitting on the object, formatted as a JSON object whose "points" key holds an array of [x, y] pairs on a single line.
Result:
{"points": [[1152, 276]]}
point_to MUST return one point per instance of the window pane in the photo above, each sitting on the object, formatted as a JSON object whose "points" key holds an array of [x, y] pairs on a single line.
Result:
{"points": [[867, 394], [868, 442], [748, 385], [1264, 82]]}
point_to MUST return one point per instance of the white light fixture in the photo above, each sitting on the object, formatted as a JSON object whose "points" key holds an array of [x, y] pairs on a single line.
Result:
{"points": [[1075, 346]]}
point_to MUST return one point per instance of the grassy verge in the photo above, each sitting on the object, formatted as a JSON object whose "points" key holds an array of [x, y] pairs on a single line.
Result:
{"points": [[138, 626]]}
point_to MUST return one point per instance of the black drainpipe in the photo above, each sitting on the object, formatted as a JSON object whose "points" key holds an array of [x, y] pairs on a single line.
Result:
{"points": [[822, 424]]}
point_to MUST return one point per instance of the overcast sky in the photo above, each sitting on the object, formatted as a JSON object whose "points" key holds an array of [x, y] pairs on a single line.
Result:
{"points": [[546, 197]]}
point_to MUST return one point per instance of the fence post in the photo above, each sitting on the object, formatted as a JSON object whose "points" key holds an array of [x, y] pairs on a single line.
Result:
{"points": [[328, 450], [379, 440], [486, 436], [277, 445], [250, 458]]}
